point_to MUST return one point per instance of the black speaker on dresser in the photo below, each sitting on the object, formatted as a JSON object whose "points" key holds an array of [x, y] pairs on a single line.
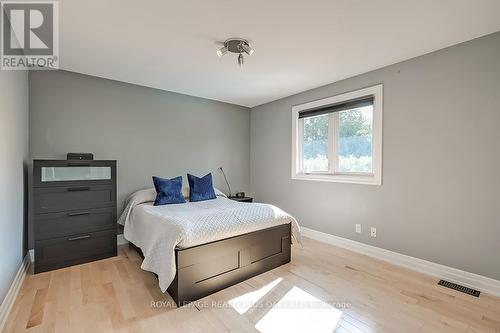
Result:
{"points": [[74, 212]]}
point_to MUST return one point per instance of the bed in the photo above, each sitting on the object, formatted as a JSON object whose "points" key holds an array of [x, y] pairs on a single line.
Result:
{"points": [[198, 248]]}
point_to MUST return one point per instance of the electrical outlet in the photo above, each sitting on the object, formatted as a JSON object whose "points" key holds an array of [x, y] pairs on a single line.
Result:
{"points": [[358, 228], [373, 232]]}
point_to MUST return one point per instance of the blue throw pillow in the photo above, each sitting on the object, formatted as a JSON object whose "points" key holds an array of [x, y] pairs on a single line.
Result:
{"points": [[168, 191], [201, 188]]}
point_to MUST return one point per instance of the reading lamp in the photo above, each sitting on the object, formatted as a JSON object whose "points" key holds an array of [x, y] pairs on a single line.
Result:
{"points": [[228, 187]]}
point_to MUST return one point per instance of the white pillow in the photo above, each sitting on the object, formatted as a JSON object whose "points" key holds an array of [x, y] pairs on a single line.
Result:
{"points": [[185, 192], [219, 193]]}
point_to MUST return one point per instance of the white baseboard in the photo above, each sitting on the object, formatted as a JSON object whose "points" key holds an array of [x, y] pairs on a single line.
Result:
{"points": [[11, 296], [121, 240], [471, 280]]}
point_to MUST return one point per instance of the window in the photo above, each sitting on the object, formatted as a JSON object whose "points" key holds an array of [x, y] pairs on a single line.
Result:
{"points": [[339, 138]]}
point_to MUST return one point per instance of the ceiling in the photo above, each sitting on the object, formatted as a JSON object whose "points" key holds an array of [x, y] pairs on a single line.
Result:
{"points": [[299, 45]]}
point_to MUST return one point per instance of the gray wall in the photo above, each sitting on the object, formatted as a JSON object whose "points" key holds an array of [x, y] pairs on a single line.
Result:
{"points": [[440, 195], [13, 171], [149, 131]]}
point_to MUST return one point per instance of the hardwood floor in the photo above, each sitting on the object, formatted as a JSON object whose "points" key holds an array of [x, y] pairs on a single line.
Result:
{"points": [[323, 287]]}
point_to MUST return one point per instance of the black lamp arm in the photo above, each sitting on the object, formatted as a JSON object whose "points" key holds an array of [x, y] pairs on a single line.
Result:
{"points": [[224, 174]]}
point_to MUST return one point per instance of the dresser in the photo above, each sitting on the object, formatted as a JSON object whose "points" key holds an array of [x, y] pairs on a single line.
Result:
{"points": [[74, 212]]}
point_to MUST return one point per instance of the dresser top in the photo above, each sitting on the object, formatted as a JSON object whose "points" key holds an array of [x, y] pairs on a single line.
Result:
{"points": [[54, 160]]}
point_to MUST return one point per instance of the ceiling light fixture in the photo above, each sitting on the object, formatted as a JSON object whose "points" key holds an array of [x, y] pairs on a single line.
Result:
{"points": [[248, 50], [238, 46], [222, 51]]}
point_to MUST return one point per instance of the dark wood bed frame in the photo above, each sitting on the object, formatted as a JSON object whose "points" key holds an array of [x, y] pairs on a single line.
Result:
{"points": [[207, 268]]}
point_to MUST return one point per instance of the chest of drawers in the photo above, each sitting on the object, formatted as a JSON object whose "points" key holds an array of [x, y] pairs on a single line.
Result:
{"points": [[74, 212]]}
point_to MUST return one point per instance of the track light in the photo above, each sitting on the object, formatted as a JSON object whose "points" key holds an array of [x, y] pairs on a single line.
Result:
{"points": [[222, 51], [237, 46], [246, 48]]}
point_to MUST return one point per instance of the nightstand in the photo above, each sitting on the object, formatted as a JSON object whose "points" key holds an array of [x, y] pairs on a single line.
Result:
{"points": [[244, 199]]}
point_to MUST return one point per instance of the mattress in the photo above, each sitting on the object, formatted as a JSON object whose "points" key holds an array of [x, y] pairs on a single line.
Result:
{"points": [[159, 230]]}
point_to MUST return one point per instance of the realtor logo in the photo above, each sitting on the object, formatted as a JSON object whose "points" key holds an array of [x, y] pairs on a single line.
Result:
{"points": [[29, 35]]}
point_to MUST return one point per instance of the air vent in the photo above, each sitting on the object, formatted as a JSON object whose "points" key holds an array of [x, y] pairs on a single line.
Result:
{"points": [[457, 287]]}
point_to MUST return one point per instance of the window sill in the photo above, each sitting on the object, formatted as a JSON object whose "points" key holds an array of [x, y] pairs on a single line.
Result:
{"points": [[351, 179]]}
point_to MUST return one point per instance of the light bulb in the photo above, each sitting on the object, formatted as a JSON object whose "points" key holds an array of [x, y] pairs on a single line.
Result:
{"points": [[245, 47], [222, 51]]}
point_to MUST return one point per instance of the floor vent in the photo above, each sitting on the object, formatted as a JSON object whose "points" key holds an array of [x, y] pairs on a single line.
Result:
{"points": [[465, 290]]}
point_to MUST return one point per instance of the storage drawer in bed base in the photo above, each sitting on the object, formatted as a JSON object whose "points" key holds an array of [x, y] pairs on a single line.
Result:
{"points": [[208, 268]]}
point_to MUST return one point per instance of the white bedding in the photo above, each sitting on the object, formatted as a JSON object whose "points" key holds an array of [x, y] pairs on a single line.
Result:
{"points": [[158, 230]]}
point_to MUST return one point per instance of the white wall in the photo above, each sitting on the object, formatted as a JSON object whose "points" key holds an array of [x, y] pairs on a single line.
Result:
{"points": [[440, 195], [13, 173]]}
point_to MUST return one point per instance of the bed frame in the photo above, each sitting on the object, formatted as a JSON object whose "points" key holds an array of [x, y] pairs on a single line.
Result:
{"points": [[207, 268]]}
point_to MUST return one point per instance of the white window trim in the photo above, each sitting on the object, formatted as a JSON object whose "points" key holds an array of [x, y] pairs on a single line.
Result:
{"points": [[369, 179]]}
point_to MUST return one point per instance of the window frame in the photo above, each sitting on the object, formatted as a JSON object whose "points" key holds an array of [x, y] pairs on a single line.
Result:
{"points": [[374, 178]]}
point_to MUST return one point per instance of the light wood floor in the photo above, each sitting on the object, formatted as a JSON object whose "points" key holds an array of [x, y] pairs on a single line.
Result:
{"points": [[115, 295]]}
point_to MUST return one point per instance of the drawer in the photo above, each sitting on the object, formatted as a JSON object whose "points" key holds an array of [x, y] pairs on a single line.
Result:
{"points": [[69, 198], [54, 225], [47, 173], [76, 249]]}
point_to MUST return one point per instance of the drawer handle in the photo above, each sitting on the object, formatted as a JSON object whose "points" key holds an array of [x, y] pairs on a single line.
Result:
{"points": [[81, 188], [78, 238], [78, 213]]}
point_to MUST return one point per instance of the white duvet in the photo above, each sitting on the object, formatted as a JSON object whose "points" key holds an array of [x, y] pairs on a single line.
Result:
{"points": [[158, 230]]}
